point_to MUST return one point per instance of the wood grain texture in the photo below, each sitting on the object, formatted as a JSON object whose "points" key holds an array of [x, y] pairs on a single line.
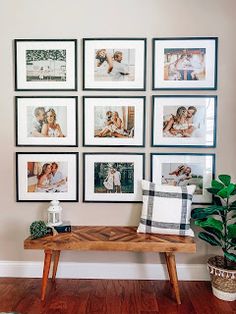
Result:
{"points": [[69, 296], [112, 239]]}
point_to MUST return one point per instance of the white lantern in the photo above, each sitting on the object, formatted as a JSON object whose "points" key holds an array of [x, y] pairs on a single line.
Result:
{"points": [[54, 214]]}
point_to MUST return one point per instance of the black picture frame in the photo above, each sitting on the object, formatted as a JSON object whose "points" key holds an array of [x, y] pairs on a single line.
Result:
{"points": [[139, 109], [212, 106], [21, 85], [71, 125], [180, 159], [163, 85], [87, 72], [113, 198], [26, 185]]}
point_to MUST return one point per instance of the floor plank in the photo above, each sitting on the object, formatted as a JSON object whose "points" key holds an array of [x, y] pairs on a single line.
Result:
{"points": [[70, 296]]}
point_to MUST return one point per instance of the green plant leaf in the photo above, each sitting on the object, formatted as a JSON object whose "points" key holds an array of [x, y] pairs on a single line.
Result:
{"points": [[217, 185], [225, 178], [215, 232], [231, 231], [213, 190], [204, 212], [209, 238], [233, 204], [230, 256], [230, 188], [210, 222], [223, 192]]}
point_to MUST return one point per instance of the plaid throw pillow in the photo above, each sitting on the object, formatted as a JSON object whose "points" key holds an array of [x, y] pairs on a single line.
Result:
{"points": [[166, 209]]}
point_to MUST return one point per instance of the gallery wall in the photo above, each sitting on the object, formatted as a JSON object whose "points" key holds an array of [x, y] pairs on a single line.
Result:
{"points": [[61, 19]]}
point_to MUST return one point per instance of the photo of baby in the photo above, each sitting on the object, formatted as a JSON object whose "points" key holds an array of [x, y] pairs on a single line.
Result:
{"points": [[114, 65]]}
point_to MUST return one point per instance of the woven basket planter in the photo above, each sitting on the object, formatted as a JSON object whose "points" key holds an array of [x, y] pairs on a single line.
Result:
{"points": [[223, 280]]}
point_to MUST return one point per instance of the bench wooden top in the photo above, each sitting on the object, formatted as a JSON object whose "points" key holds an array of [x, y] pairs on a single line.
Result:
{"points": [[112, 239]]}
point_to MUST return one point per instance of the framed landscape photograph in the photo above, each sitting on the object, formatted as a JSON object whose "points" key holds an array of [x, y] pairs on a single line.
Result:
{"points": [[45, 64], [185, 63], [113, 177], [184, 121], [185, 169], [46, 121], [43, 177], [114, 121], [114, 64]]}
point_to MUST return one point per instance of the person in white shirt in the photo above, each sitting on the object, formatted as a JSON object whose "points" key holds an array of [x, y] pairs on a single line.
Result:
{"points": [[117, 183], [120, 70]]}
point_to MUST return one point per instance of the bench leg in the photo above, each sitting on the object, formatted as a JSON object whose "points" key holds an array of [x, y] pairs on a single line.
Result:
{"points": [[55, 264], [171, 266], [46, 268]]}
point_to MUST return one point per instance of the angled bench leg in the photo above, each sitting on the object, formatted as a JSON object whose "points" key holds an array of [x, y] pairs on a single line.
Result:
{"points": [[46, 268], [171, 266], [55, 264]]}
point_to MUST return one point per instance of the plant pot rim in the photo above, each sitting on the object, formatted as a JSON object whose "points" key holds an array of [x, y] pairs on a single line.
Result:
{"points": [[219, 257]]}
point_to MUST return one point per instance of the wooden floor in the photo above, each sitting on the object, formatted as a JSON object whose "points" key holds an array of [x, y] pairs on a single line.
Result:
{"points": [[109, 296]]}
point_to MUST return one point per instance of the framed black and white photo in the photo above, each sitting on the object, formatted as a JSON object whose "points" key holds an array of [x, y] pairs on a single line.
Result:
{"points": [[113, 177], [181, 169], [114, 121], [41, 177], [45, 64], [46, 121], [114, 64], [185, 63], [184, 121]]}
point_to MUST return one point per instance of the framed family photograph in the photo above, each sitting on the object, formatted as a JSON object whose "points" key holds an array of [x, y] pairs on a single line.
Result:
{"points": [[46, 121], [185, 169], [114, 64], [185, 63], [45, 64], [114, 121], [184, 121], [113, 177], [46, 176]]}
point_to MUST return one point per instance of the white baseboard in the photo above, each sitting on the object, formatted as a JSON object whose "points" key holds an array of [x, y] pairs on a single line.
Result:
{"points": [[104, 270]]}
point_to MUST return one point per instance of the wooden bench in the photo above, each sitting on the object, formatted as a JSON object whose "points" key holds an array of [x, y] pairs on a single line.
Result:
{"points": [[111, 239]]}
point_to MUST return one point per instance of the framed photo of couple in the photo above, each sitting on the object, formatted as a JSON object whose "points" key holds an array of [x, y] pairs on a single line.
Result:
{"points": [[46, 121], [184, 121], [114, 121], [41, 177], [45, 64], [114, 64], [181, 169], [185, 63], [113, 177]]}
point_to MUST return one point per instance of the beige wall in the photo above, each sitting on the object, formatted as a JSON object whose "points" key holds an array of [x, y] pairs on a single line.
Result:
{"points": [[103, 18]]}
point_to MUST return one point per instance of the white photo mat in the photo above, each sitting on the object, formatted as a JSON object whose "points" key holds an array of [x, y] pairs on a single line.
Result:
{"points": [[22, 179], [89, 161], [25, 103], [89, 123], [206, 162]]}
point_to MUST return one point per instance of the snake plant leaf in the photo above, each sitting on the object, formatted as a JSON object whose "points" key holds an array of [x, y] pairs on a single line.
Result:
{"points": [[230, 256], [231, 231], [217, 185], [225, 178], [210, 222], [209, 238]]}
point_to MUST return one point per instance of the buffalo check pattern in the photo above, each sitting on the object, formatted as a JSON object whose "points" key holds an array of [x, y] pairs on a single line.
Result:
{"points": [[166, 209]]}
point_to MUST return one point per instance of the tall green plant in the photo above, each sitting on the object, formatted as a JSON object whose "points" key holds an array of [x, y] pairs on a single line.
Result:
{"points": [[218, 221]]}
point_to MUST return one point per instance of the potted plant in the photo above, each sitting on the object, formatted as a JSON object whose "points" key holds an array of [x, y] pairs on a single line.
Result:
{"points": [[218, 222]]}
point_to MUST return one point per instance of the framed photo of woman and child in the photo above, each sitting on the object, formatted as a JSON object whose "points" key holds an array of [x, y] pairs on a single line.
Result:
{"points": [[46, 121], [113, 177], [185, 63], [181, 169], [114, 121], [47, 176], [45, 64], [114, 64], [184, 121]]}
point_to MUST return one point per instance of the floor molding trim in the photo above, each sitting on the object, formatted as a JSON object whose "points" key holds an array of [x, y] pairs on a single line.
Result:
{"points": [[104, 270]]}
